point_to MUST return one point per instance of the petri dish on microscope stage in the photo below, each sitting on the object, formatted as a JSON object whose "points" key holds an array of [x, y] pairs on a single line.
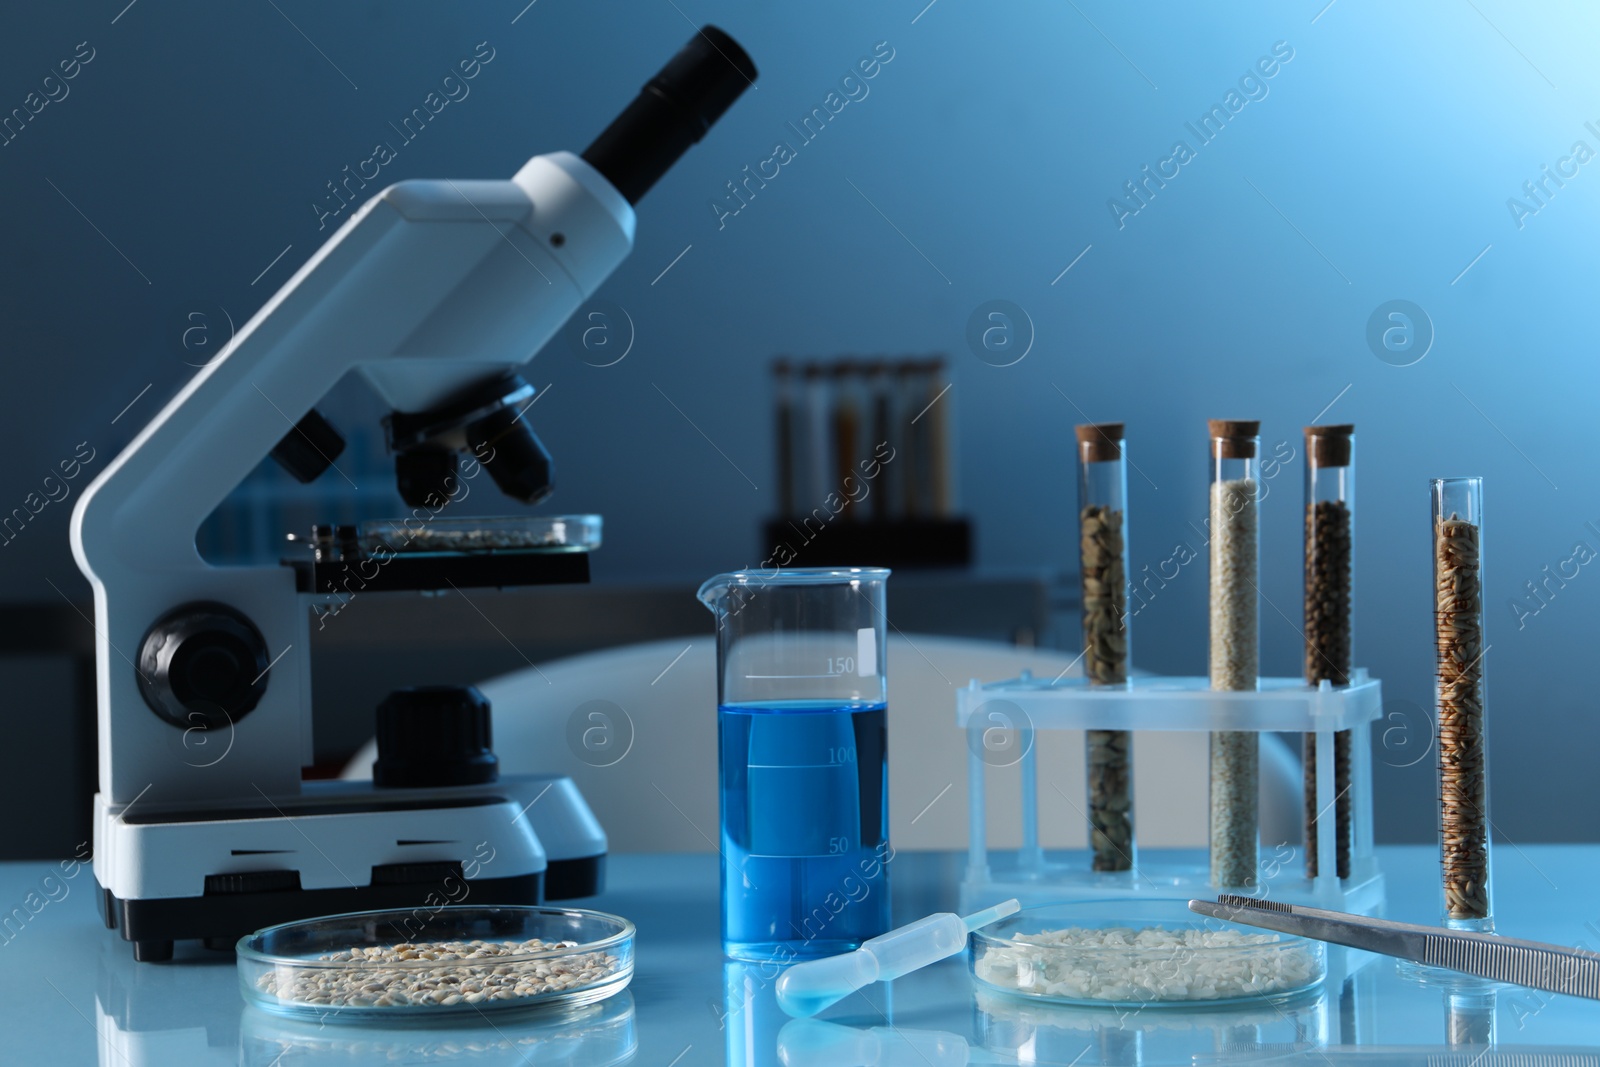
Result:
{"points": [[456, 960], [468, 535], [1140, 953]]}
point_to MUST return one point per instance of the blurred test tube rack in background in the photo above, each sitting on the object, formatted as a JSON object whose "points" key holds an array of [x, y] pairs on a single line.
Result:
{"points": [[865, 471]]}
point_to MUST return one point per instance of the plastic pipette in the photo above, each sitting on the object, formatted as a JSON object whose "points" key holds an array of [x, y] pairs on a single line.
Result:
{"points": [[807, 988]]}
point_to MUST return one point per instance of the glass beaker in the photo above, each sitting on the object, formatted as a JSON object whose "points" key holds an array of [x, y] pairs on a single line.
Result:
{"points": [[802, 749]]}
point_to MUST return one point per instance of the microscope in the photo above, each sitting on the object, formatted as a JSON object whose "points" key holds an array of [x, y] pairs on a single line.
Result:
{"points": [[435, 292]]}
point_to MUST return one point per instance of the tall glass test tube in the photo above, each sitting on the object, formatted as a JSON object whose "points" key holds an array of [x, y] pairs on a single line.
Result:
{"points": [[1235, 652], [1459, 695], [1103, 551], [1330, 500]]}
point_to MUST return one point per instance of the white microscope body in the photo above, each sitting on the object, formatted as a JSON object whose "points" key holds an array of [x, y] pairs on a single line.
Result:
{"points": [[205, 829]]}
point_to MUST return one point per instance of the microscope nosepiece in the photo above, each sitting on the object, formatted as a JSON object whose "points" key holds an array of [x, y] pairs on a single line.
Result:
{"points": [[489, 421]]}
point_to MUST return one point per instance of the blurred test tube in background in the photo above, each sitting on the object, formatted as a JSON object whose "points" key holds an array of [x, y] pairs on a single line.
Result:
{"points": [[847, 435], [783, 418]]}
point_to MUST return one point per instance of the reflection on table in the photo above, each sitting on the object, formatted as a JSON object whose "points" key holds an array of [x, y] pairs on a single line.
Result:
{"points": [[158, 1016]]}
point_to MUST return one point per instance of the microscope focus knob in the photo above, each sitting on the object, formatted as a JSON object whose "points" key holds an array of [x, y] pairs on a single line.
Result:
{"points": [[434, 735], [203, 665]]}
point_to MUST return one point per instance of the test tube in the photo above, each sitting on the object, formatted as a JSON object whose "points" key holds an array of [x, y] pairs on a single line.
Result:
{"points": [[936, 413], [1235, 653], [846, 418], [1459, 698], [1469, 1018], [783, 417], [914, 460], [884, 504], [1330, 499], [1103, 558], [818, 444]]}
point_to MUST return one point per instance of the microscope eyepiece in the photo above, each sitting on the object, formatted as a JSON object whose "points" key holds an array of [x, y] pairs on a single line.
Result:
{"points": [[672, 112]]}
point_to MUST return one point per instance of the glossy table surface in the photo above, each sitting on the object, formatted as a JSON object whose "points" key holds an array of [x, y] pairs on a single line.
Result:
{"points": [[70, 993]]}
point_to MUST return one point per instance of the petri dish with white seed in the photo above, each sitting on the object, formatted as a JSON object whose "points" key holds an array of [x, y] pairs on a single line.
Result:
{"points": [[381, 538], [435, 962], [1140, 953]]}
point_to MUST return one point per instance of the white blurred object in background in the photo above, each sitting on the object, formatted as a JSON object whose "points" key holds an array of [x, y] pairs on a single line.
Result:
{"points": [[636, 728]]}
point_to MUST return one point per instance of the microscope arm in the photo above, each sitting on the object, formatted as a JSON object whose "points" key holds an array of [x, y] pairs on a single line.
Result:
{"points": [[430, 287]]}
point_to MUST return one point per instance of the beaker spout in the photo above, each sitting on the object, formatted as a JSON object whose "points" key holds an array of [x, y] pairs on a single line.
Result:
{"points": [[714, 592]]}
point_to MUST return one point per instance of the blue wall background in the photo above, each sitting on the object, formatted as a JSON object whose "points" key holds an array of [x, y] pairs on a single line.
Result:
{"points": [[1378, 166]]}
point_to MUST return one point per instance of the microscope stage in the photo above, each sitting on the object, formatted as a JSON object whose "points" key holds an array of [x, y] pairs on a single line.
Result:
{"points": [[424, 553], [463, 570]]}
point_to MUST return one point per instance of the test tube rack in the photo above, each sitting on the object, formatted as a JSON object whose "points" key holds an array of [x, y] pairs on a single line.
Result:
{"points": [[1026, 705]]}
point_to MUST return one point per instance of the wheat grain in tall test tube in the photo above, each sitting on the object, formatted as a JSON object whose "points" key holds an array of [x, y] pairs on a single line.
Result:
{"points": [[1459, 693], [1235, 644]]}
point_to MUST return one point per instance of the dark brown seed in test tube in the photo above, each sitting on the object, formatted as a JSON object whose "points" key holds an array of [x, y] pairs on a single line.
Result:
{"points": [[1463, 768], [1105, 658], [1327, 632]]}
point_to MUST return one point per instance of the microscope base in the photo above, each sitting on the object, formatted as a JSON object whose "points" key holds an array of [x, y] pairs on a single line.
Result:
{"points": [[217, 874], [153, 925]]}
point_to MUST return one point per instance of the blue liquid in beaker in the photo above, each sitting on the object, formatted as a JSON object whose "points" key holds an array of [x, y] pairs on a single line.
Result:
{"points": [[805, 827]]}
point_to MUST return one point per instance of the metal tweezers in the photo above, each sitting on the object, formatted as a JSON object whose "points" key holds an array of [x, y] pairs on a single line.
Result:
{"points": [[1535, 964]]}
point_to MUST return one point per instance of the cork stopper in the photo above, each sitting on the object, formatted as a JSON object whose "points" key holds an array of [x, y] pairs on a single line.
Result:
{"points": [[1234, 438], [1330, 446], [1100, 442]]}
